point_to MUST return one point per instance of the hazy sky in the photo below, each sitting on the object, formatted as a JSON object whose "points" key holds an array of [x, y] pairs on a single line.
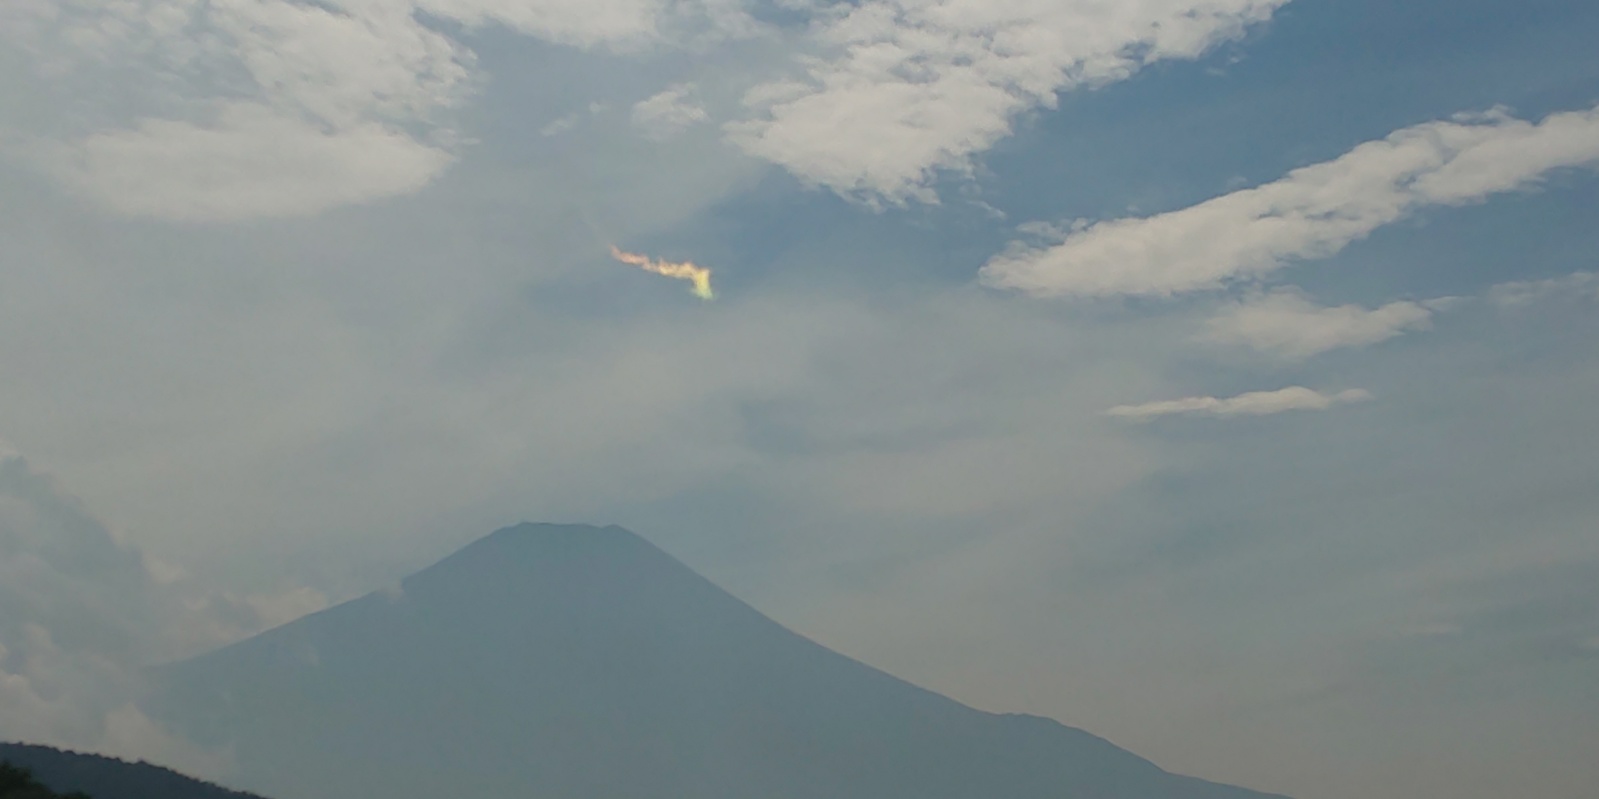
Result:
{"points": [[1219, 376]]}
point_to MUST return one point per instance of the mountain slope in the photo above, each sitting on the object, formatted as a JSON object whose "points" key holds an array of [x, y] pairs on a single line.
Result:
{"points": [[570, 662], [101, 777]]}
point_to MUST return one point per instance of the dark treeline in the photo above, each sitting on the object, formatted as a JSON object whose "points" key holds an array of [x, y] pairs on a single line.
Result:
{"points": [[17, 782], [41, 772]]}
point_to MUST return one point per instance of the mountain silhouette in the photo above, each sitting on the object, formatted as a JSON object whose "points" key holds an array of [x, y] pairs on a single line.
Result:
{"points": [[576, 662], [99, 777]]}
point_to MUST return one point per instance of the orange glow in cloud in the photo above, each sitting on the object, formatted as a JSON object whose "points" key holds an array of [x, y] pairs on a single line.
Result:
{"points": [[698, 275]]}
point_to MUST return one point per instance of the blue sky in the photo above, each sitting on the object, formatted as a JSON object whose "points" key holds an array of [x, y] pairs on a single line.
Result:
{"points": [[1096, 361]]}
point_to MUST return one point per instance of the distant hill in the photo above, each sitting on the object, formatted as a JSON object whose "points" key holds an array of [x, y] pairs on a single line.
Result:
{"points": [[100, 777], [18, 783], [572, 662]]}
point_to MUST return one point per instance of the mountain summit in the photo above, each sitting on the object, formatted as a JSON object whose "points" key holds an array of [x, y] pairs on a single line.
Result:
{"points": [[575, 662]]}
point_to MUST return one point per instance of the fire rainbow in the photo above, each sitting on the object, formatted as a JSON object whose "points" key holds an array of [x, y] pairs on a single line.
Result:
{"points": [[698, 275]]}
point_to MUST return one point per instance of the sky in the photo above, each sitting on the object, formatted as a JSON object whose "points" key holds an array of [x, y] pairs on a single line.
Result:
{"points": [[1218, 376]]}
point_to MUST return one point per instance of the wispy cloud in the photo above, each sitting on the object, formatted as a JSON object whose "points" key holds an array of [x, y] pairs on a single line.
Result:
{"points": [[1254, 403], [906, 89], [1521, 293], [669, 113], [1313, 212], [583, 23], [1288, 325], [561, 124]]}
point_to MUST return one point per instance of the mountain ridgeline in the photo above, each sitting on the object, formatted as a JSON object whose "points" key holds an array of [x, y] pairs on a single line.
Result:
{"points": [[574, 662], [43, 772]]}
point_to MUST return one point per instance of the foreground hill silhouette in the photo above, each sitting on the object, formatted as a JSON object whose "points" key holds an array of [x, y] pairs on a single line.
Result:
{"points": [[573, 662], [72, 775]]}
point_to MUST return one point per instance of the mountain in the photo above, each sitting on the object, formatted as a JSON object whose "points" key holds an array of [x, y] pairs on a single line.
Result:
{"points": [[100, 777], [574, 662]]}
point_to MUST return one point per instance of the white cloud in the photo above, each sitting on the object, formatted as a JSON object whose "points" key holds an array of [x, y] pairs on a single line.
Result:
{"points": [[272, 610], [586, 23], [81, 615], [912, 87], [131, 735], [244, 109], [258, 108], [1287, 324], [77, 611], [1521, 293], [614, 24], [52, 697], [250, 162], [1254, 403], [1313, 212], [561, 124], [669, 113], [339, 64]]}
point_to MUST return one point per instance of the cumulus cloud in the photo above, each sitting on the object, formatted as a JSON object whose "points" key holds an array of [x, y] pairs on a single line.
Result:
{"points": [[81, 614], [61, 570], [85, 701], [1254, 403], [907, 88], [669, 113], [1286, 324], [1313, 212], [76, 612], [260, 108]]}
